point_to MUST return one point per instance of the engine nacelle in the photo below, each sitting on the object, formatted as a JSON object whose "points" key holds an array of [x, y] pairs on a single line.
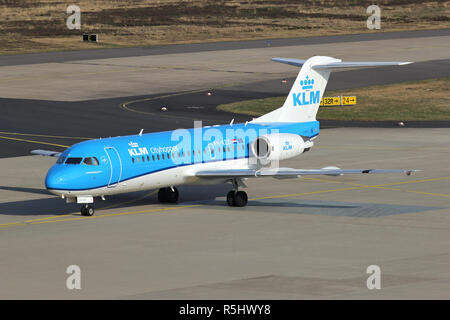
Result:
{"points": [[275, 147]]}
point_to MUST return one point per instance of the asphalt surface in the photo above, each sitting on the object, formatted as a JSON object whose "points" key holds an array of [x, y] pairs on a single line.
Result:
{"points": [[66, 56], [310, 238], [107, 117]]}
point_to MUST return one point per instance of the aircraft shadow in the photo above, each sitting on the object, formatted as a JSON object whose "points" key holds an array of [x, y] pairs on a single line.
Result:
{"points": [[57, 206], [298, 205], [35, 207], [189, 194], [24, 189], [268, 204]]}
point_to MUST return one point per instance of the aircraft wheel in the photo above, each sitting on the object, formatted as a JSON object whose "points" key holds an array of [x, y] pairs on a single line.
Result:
{"points": [[167, 195], [240, 199], [87, 210], [230, 198], [162, 195], [172, 195]]}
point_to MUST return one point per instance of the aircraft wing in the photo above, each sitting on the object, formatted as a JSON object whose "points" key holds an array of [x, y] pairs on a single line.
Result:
{"points": [[46, 153], [290, 173]]}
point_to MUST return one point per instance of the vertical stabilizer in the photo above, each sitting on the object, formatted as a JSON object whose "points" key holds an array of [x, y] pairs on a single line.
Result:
{"points": [[303, 101]]}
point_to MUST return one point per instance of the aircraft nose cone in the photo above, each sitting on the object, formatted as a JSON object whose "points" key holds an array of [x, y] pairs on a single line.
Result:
{"points": [[54, 178]]}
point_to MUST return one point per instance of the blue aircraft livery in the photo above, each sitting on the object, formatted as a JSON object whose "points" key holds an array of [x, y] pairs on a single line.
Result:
{"points": [[303, 98], [204, 155], [133, 156]]}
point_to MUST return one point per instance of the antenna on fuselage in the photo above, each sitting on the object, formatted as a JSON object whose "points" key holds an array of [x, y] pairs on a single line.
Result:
{"points": [[140, 133]]}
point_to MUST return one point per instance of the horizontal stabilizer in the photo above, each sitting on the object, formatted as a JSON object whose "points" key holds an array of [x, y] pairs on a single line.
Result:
{"points": [[46, 153], [354, 65], [292, 62], [340, 64]]}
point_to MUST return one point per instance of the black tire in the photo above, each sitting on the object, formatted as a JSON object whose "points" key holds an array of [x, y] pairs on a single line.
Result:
{"points": [[162, 195], [90, 211], [87, 210], [172, 195], [230, 198], [240, 199]]}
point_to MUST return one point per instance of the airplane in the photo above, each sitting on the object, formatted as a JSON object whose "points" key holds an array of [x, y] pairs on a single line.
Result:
{"points": [[204, 155]]}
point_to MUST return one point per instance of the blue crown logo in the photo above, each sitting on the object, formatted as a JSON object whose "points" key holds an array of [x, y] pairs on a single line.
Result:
{"points": [[307, 83]]}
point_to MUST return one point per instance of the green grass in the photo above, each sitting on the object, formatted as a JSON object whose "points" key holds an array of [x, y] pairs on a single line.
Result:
{"points": [[414, 100], [40, 25]]}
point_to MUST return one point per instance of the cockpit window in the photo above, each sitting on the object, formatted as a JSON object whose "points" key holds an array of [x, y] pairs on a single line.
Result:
{"points": [[91, 161], [61, 159], [73, 160]]}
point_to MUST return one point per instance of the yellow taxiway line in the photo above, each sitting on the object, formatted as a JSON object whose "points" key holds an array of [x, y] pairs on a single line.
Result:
{"points": [[33, 141], [354, 186], [43, 135]]}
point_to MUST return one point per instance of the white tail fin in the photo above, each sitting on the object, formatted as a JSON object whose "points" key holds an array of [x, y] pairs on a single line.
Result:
{"points": [[303, 100]]}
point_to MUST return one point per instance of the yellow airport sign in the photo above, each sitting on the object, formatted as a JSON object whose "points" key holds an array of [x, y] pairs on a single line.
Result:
{"points": [[330, 101], [348, 100], [338, 101]]}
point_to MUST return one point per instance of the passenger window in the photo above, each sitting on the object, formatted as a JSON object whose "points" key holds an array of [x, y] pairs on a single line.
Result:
{"points": [[153, 157], [163, 156], [148, 158], [73, 160], [143, 159], [132, 160]]}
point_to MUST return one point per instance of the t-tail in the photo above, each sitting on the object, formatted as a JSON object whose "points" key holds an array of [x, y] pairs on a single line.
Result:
{"points": [[303, 101]]}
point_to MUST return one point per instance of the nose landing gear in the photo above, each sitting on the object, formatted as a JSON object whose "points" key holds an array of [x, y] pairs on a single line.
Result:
{"points": [[168, 195], [87, 210]]}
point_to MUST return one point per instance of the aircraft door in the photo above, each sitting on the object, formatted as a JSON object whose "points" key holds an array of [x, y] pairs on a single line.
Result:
{"points": [[115, 166]]}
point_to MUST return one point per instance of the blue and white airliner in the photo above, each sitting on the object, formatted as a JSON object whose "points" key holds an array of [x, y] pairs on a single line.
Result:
{"points": [[224, 153]]}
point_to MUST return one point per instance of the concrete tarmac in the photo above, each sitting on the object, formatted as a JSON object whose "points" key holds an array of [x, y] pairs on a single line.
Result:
{"points": [[310, 238], [78, 80]]}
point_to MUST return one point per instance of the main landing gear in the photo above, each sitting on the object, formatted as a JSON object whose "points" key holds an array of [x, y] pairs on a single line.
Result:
{"points": [[168, 195], [236, 198], [87, 210]]}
